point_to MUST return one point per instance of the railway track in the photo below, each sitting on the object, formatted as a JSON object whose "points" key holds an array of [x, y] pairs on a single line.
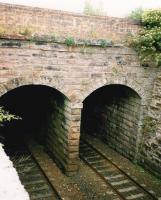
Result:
{"points": [[122, 184], [32, 176]]}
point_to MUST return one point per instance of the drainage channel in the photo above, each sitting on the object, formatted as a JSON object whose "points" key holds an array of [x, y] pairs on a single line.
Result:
{"points": [[121, 183], [31, 175]]}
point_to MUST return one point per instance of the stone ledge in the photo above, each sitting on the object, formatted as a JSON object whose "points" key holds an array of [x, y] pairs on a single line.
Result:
{"points": [[43, 39], [10, 185]]}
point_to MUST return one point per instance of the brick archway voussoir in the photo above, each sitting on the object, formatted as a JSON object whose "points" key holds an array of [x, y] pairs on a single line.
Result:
{"points": [[94, 85], [22, 81]]}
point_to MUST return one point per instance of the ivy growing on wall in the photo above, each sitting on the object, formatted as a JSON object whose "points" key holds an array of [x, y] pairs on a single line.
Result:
{"points": [[148, 41]]}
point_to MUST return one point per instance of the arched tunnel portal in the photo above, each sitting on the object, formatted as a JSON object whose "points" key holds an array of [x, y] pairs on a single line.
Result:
{"points": [[112, 114], [43, 111]]}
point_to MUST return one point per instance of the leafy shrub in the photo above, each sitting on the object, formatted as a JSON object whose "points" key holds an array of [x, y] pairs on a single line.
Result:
{"points": [[6, 116], [136, 15], [148, 41]]}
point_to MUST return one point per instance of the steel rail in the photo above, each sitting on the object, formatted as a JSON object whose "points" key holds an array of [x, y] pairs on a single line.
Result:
{"points": [[118, 168], [46, 177]]}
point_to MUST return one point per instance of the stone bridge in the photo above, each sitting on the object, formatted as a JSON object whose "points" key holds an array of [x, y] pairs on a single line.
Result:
{"points": [[62, 91]]}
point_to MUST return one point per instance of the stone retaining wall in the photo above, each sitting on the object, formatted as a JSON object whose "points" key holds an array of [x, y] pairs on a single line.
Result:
{"points": [[23, 19], [76, 72], [151, 147]]}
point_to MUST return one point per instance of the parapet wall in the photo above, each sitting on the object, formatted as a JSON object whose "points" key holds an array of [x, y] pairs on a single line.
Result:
{"points": [[14, 18]]}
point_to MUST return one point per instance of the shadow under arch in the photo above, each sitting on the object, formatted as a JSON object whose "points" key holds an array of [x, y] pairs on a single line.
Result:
{"points": [[93, 86], [112, 86], [44, 111], [112, 114]]}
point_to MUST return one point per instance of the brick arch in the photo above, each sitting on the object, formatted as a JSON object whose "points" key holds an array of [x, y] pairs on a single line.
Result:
{"points": [[94, 85], [21, 81], [114, 120], [60, 158]]}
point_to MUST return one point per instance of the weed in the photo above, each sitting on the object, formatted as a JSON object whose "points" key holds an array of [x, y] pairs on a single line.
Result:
{"points": [[70, 41], [105, 43], [27, 31]]}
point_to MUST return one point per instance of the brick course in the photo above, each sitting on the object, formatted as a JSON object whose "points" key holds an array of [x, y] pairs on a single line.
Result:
{"points": [[45, 21], [77, 72]]}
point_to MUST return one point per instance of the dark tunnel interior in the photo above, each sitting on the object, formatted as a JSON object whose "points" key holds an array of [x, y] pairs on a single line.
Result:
{"points": [[33, 104], [111, 114]]}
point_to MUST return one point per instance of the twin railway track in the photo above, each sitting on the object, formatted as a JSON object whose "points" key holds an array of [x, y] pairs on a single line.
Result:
{"points": [[39, 187], [121, 183], [32, 176]]}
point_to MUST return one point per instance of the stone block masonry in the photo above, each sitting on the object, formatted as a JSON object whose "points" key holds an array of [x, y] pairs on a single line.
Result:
{"points": [[59, 141], [112, 114], [59, 23], [76, 75], [151, 148], [78, 71], [122, 126]]}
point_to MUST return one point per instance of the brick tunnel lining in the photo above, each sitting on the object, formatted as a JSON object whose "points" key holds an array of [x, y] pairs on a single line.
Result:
{"points": [[112, 114], [43, 111]]}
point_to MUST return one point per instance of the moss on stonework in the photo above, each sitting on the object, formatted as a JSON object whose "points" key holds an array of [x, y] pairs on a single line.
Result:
{"points": [[149, 126], [27, 33], [11, 43]]}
